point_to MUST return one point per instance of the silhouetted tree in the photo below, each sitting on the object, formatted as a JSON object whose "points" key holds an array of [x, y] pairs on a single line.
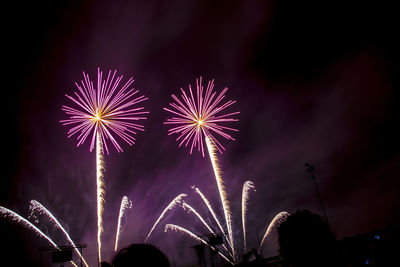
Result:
{"points": [[305, 239], [105, 264]]}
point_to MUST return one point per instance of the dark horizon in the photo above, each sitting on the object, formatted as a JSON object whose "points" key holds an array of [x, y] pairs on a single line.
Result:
{"points": [[314, 82]]}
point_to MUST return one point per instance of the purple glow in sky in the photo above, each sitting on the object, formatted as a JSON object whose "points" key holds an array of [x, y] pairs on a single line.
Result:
{"points": [[315, 81]]}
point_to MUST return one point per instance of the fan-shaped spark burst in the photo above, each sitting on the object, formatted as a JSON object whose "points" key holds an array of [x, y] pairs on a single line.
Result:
{"points": [[221, 190], [247, 186], [177, 200], [36, 206], [105, 110], [195, 119], [125, 204], [276, 220], [176, 228], [19, 219]]}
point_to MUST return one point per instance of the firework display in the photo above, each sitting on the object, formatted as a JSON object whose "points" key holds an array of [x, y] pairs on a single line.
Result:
{"points": [[198, 120], [108, 112], [195, 118], [231, 255], [103, 113], [223, 133]]}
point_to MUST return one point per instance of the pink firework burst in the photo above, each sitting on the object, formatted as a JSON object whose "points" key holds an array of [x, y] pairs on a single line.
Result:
{"points": [[199, 117], [105, 110]]}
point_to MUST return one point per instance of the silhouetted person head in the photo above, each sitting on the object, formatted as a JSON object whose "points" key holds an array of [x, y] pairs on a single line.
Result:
{"points": [[137, 255], [305, 239]]}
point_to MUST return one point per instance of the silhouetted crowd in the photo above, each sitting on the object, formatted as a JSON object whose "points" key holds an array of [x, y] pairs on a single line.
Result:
{"points": [[305, 239], [139, 255]]}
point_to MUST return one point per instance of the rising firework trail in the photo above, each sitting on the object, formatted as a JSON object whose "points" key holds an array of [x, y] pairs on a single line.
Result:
{"points": [[195, 118], [247, 187], [177, 200], [176, 228], [36, 206], [275, 221], [104, 113], [100, 192], [19, 219], [222, 192], [125, 204]]}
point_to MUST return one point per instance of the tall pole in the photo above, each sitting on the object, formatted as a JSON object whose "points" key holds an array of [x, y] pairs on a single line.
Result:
{"points": [[310, 169]]}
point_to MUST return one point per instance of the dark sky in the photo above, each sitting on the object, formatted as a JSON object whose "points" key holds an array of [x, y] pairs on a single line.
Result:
{"points": [[315, 81]]}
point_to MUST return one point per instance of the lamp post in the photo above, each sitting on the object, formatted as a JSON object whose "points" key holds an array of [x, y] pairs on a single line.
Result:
{"points": [[310, 169]]}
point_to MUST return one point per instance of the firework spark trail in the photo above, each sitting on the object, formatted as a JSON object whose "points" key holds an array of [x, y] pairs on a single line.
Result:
{"points": [[37, 206], [19, 219], [105, 110], [189, 208], [221, 190], [277, 219], [100, 192], [247, 186], [177, 200], [195, 119], [176, 228], [205, 200], [125, 204], [195, 212]]}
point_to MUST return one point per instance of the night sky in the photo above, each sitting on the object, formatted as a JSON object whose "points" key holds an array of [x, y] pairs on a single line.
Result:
{"points": [[315, 81]]}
